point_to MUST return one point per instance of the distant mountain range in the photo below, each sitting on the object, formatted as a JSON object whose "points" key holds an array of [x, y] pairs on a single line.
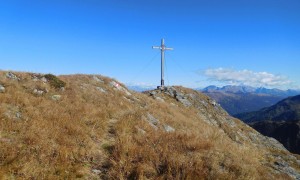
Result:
{"points": [[240, 99], [249, 89], [280, 121]]}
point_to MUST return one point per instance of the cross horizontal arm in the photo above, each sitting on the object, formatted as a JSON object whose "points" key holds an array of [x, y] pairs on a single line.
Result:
{"points": [[156, 47], [168, 48]]}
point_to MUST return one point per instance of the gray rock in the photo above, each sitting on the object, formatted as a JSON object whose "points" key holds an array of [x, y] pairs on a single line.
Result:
{"points": [[152, 93], [214, 103], [39, 92], [141, 131], [2, 89], [185, 102], [282, 166], [98, 79], [168, 128], [96, 171], [56, 97], [44, 80], [159, 99], [152, 121], [11, 75], [18, 115], [101, 89]]}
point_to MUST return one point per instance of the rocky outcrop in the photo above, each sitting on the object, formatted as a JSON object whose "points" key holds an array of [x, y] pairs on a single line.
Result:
{"points": [[213, 114], [12, 76]]}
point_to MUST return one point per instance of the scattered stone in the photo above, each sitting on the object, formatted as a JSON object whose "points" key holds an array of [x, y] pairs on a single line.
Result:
{"points": [[141, 131], [159, 99], [13, 112], [128, 99], [98, 79], [11, 75], [39, 92], [214, 103], [152, 93], [230, 122], [184, 101], [34, 77], [101, 89], [96, 171], [56, 97], [62, 89], [2, 89], [152, 121], [284, 167], [168, 128], [18, 115], [44, 80]]}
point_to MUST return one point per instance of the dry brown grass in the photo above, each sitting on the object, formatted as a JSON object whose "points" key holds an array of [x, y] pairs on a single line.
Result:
{"points": [[68, 138]]}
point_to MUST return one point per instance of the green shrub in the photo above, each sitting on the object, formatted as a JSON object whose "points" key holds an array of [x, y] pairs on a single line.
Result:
{"points": [[55, 81]]}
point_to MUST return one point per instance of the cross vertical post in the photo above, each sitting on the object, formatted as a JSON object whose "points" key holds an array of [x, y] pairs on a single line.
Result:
{"points": [[162, 48]]}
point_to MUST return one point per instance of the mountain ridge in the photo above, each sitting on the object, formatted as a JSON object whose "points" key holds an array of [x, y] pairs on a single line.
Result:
{"points": [[93, 127]]}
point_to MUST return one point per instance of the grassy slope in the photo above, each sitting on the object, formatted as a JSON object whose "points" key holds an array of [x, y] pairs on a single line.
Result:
{"points": [[87, 130]]}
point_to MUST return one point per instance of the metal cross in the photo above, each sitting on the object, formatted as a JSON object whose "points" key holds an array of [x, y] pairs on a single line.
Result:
{"points": [[162, 49]]}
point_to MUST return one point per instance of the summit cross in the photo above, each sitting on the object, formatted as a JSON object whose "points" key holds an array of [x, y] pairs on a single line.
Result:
{"points": [[162, 48]]}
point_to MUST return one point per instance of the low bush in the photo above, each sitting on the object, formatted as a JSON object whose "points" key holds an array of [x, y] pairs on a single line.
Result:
{"points": [[55, 81]]}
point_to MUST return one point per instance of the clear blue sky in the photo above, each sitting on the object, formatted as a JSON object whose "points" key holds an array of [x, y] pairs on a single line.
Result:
{"points": [[214, 41]]}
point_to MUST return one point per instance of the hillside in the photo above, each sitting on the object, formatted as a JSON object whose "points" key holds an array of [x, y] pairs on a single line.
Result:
{"points": [[240, 99], [280, 121], [93, 127], [286, 110], [288, 133]]}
